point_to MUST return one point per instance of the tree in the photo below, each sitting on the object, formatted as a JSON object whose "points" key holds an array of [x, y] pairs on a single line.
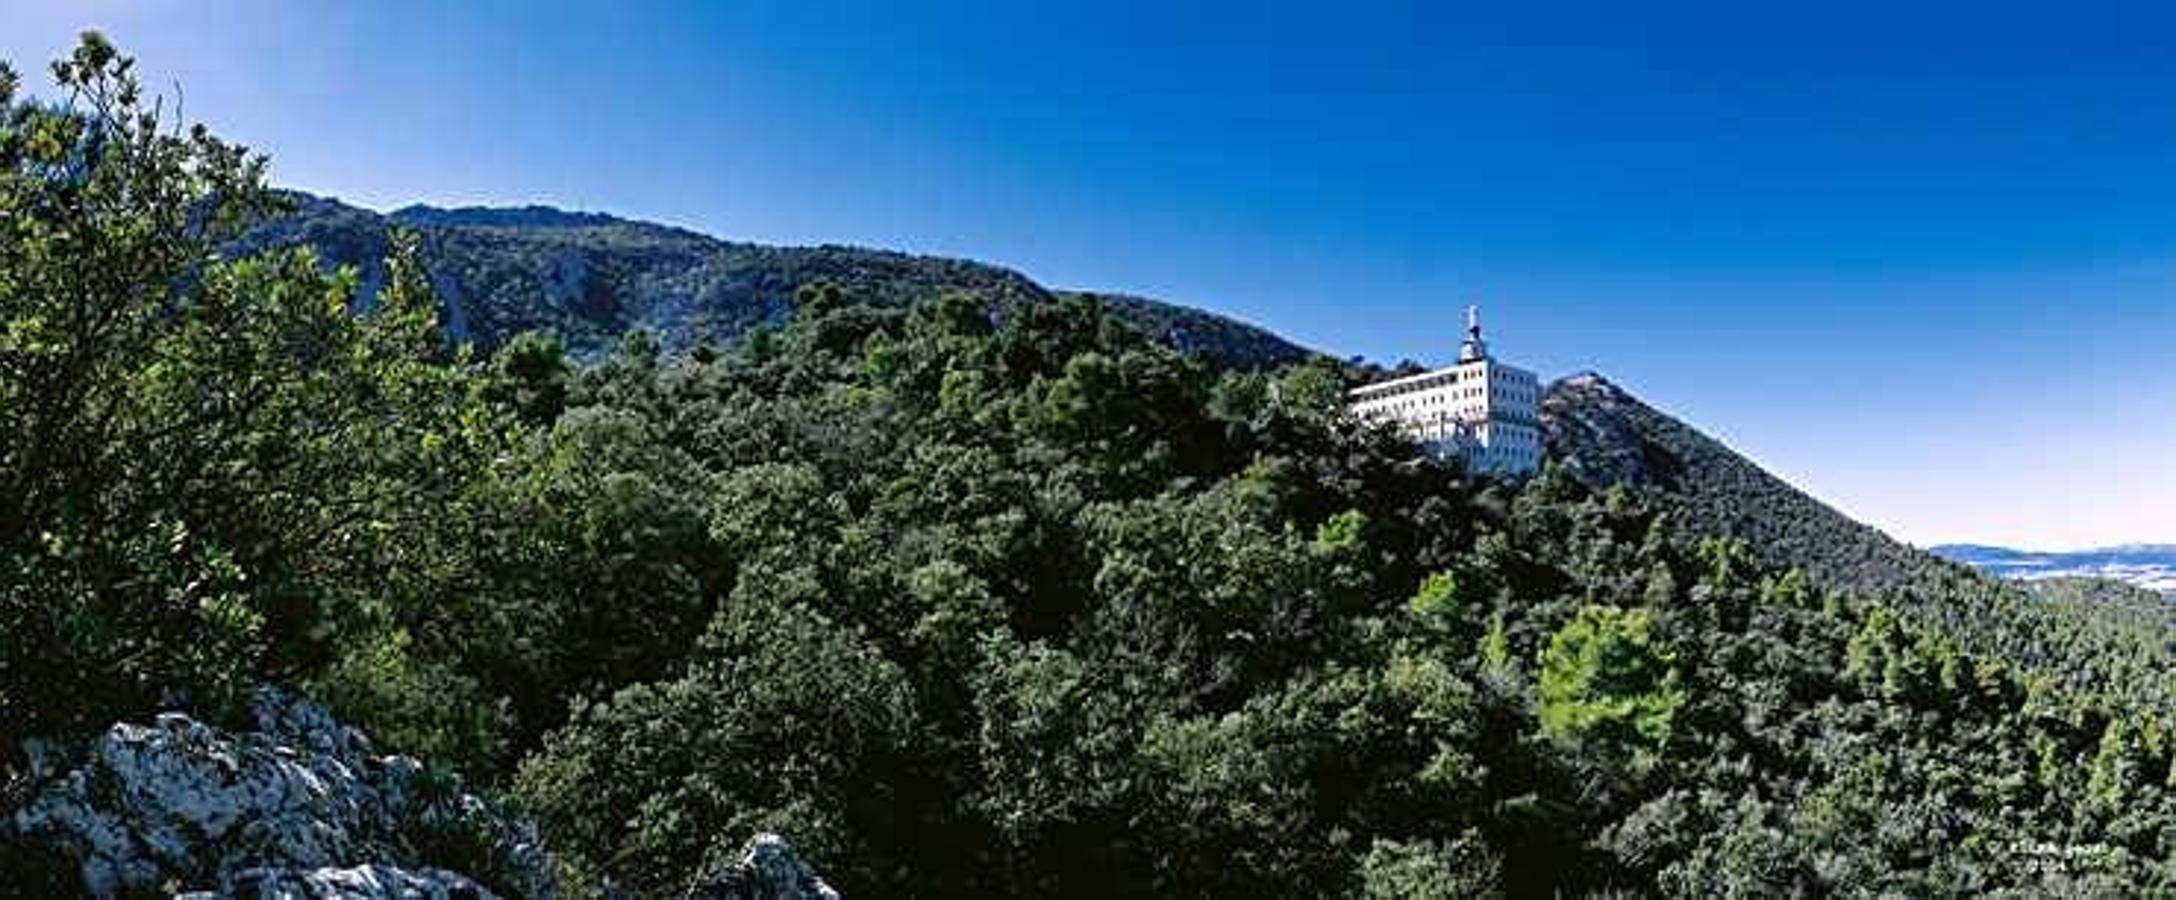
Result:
{"points": [[201, 457], [1431, 870], [1604, 680], [787, 722]]}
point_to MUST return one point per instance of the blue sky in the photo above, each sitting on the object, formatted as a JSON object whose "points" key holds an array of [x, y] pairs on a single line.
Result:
{"points": [[1919, 259]]}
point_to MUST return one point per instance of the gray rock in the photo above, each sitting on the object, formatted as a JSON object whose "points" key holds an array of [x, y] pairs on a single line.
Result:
{"points": [[297, 807], [369, 882], [767, 869]]}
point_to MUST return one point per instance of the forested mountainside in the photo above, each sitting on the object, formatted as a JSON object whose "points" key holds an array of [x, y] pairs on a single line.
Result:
{"points": [[2100, 637], [589, 277], [967, 595], [1604, 436]]}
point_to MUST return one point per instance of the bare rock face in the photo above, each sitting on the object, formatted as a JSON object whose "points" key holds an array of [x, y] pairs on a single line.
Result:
{"points": [[1602, 435], [767, 869], [357, 882], [299, 806]]}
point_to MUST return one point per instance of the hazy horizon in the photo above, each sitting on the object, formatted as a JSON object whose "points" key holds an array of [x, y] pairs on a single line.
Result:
{"points": [[1921, 270]]}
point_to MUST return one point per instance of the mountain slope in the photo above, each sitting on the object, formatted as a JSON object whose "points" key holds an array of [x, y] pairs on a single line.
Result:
{"points": [[2097, 637], [1605, 436], [590, 277]]}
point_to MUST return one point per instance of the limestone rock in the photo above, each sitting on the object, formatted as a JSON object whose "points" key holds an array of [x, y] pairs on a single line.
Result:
{"points": [[368, 882], [767, 869], [299, 806]]}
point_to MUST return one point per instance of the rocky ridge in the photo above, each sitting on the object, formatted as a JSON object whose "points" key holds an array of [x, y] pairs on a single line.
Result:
{"points": [[591, 277]]}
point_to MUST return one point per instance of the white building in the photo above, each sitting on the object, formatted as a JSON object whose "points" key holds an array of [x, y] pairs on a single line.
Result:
{"points": [[1480, 410]]}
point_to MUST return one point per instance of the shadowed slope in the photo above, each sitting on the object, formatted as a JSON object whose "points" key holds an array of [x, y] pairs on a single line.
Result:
{"points": [[2098, 637], [1606, 436], [591, 277]]}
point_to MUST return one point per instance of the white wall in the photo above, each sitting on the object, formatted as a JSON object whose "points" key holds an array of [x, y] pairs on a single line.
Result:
{"points": [[1484, 411]]}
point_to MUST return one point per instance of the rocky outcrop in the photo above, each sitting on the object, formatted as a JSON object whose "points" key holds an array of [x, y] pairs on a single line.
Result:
{"points": [[767, 869], [1602, 435], [299, 805], [353, 883], [295, 807]]}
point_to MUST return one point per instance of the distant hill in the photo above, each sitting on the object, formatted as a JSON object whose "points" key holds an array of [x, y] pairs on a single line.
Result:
{"points": [[591, 277], [2150, 566]]}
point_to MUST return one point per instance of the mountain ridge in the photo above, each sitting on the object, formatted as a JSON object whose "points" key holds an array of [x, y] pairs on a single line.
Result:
{"points": [[1605, 436], [2131, 547], [526, 215], [2150, 566], [591, 276]]}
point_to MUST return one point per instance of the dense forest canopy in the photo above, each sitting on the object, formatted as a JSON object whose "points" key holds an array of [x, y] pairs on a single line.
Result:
{"points": [[973, 596]]}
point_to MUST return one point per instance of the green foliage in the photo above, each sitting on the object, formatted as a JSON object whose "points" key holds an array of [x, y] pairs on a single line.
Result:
{"points": [[529, 375], [785, 721], [588, 278], [1430, 870], [1437, 597], [202, 459], [985, 593], [1340, 534], [2097, 638], [1604, 678]]}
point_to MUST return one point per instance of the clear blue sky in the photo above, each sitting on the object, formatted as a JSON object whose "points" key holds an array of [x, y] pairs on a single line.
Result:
{"points": [[1919, 259]]}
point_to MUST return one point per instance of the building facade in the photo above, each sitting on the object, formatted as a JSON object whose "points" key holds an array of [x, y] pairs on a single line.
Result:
{"points": [[1481, 411]]}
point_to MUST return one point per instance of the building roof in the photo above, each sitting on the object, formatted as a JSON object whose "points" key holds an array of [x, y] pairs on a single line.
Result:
{"points": [[1394, 384]]}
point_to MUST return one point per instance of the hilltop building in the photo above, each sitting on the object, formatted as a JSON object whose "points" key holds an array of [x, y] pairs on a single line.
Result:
{"points": [[1481, 411]]}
